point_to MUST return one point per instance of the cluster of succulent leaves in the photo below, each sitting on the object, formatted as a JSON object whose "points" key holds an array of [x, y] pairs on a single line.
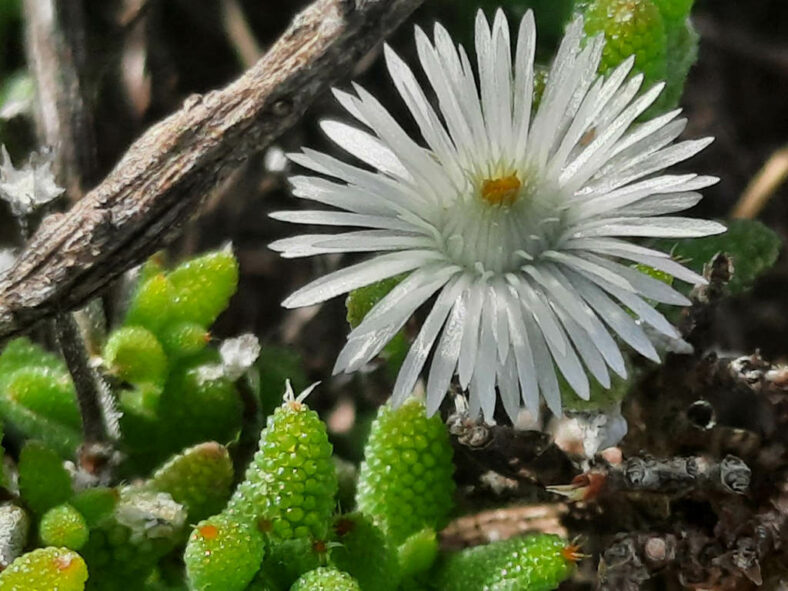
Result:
{"points": [[173, 392], [282, 526]]}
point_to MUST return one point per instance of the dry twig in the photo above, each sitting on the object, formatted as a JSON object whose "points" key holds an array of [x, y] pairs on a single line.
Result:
{"points": [[56, 50], [668, 476], [56, 43], [240, 33], [763, 186], [512, 453]]}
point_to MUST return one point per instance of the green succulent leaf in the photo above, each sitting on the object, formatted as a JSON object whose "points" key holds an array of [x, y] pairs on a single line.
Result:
{"points": [[63, 526], [199, 478], [43, 480], [291, 485], [223, 554], [537, 563], [363, 551], [326, 579], [405, 482], [45, 569]]}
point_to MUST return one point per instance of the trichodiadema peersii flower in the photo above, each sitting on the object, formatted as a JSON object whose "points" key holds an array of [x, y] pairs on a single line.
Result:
{"points": [[516, 222]]}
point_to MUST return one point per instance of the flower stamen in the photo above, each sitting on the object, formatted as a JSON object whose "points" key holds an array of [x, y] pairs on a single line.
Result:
{"points": [[501, 191]]}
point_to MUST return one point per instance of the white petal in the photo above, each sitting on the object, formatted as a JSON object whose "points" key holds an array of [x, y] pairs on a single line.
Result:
{"points": [[455, 89], [643, 284], [566, 359], [420, 349], [501, 323], [470, 335], [446, 354], [524, 80], [338, 218], [362, 241], [431, 128], [337, 195], [616, 318], [415, 289], [589, 160], [485, 368], [652, 227], [662, 204], [365, 147], [388, 316], [358, 275], [668, 266], [585, 348], [418, 161], [596, 331], [624, 196], [509, 388], [541, 313], [545, 369], [588, 268]]}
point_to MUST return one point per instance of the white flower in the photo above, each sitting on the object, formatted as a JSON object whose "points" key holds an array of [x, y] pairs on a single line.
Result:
{"points": [[29, 187], [515, 222]]}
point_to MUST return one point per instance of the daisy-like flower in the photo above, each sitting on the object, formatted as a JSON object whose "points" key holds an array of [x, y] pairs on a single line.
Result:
{"points": [[516, 223]]}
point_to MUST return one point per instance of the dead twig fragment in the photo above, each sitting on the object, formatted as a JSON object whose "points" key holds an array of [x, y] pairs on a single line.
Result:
{"points": [[56, 43], [84, 377], [516, 454], [240, 33], [669, 475], [161, 180], [56, 50], [763, 186]]}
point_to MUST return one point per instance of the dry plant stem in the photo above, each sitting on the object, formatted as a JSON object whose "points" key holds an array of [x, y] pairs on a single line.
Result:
{"points": [[161, 180], [668, 476], [55, 33], [515, 454], [763, 186], [675, 475], [696, 321], [14, 527], [239, 33], [56, 46], [133, 63], [85, 378]]}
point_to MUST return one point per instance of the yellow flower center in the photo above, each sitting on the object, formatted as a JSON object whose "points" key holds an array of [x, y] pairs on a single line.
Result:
{"points": [[501, 191]]}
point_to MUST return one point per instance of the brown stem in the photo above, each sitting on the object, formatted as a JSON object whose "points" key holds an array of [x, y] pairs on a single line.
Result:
{"points": [[512, 453], [661, 475], [56, 50], [85, 378]]}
